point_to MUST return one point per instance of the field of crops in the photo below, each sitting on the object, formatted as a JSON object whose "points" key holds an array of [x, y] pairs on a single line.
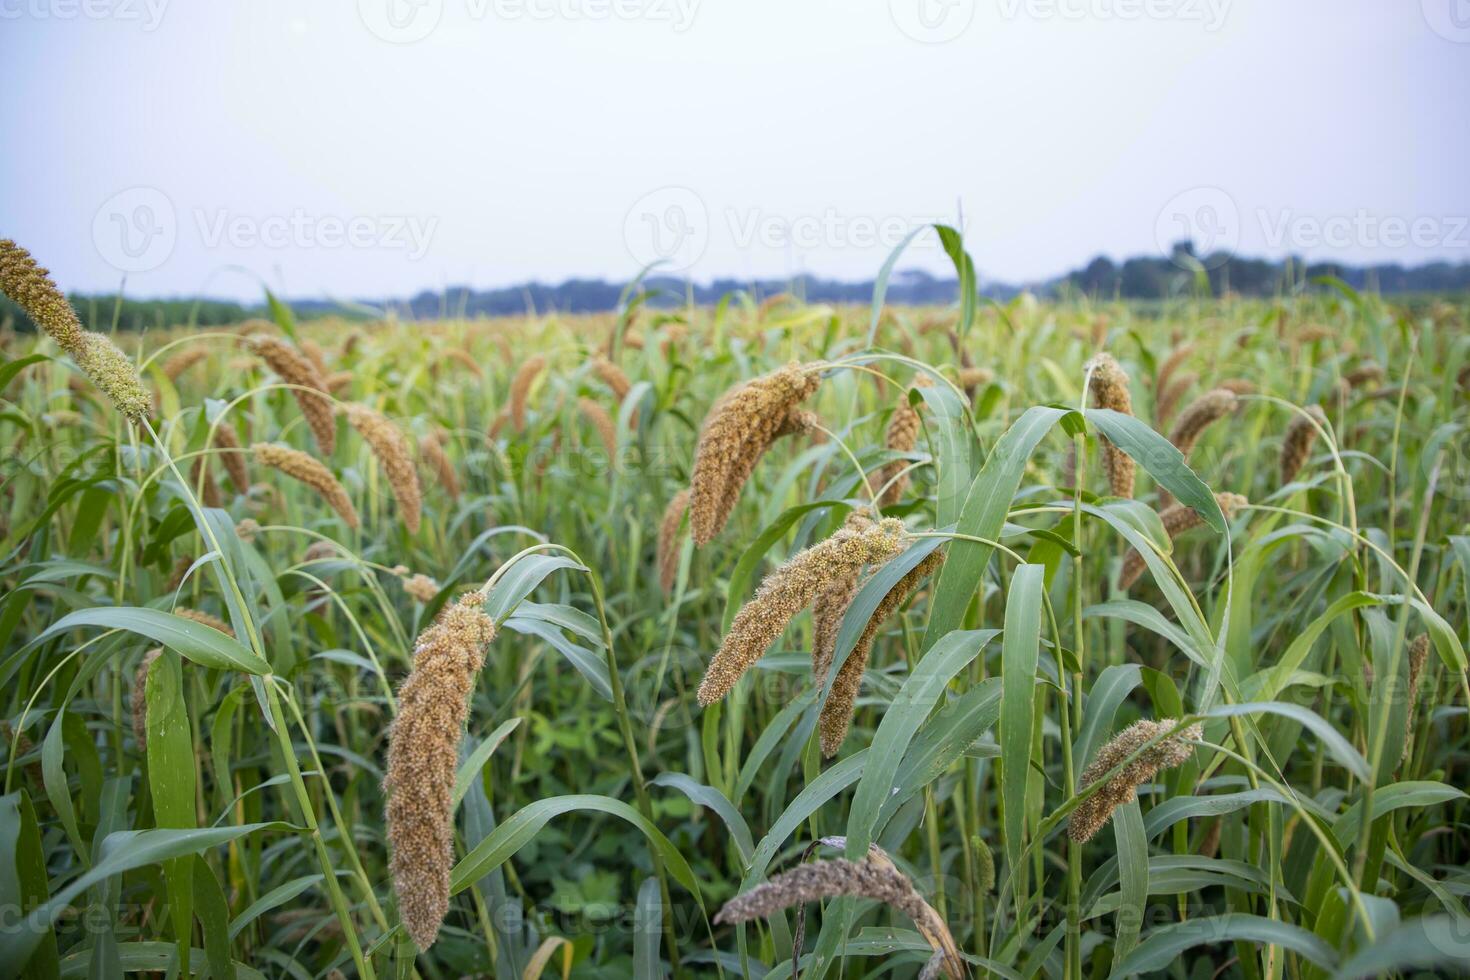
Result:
{"points": [[1064, 640]]}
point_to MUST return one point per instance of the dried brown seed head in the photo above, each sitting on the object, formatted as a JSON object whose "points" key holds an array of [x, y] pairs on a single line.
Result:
{"points": [[423, 744], [669, 538], [391, 449], [1109, 387], [31, 287], [299, 466], [1296, 444], [1095, 811], [788, 590], [308, 387]]}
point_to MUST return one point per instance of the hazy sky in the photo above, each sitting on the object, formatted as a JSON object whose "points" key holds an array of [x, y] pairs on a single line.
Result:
{"points": [[377, 147]]}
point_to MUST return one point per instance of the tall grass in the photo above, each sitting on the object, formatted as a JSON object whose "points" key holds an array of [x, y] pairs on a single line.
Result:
{"points": [[1076, 738]]}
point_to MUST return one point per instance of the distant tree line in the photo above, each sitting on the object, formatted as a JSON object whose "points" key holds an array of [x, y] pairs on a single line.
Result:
{"points": [[1140, 278]]}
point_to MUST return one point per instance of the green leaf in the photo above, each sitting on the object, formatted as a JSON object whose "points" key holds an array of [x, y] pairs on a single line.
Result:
{"points": [[713, 799], [120, 852], [648, 925], [1019, 656], [983, 514], [1337, 746], [521, 579], [1164, 946], [470, 769], [1133, 875], [1163, 461], [501, 844], [201, 644], [880, 285]]}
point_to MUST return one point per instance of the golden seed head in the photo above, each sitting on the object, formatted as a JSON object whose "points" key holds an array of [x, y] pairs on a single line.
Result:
{"points": [[602, 423], [299, 371], [1205, 410], [247, 529], [736, 433], [464, 360], [1109, 388], [1296, 445], [1094, 812], [233, 459], [421, 588], [901, 436], [182, 361], [391, 449], [423, 743], [836, 716], [1177, 518], [30, 286], [1170, 396], [202, 483], [112, 371], [669, 538], [299, 466], [612, 376], [520, 388], [431, 451], [788, 590]]}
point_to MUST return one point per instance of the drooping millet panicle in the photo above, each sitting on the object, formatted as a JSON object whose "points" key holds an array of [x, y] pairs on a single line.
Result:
{"points": [[520, 388], [836, 716], [298, 371], [112, 371], [736, 433], [877, 879], [612, 376], [830, 604], [423, 744], [138, 699], [1095, 811], [787, 591], [464, 360], [314, 354], [1110, 390], [231, 457], [1240, 386], [1197, 416], [1296, 444], [1170, 397], [798, 422], [602, 424], [1176, 518], [182, 361], [338, 381], [902, 435], [205, 619], [299, 466], [1169, 365], [669, 538], [421, 588], [30, 286], [974, 378], [431, 451], [391, 449]]}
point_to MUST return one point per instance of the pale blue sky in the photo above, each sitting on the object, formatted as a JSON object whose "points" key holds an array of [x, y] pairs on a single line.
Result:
{"points": [[487, 142]]}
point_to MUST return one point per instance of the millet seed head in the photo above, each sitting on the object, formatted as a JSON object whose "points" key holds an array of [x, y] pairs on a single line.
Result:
{"points": [[1094, 812]]}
